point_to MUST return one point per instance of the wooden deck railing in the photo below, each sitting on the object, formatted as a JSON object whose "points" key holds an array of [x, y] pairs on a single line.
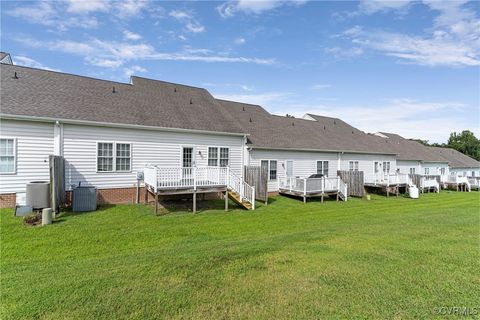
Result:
{"points": [[168, 178], [307, 186], [387, 179]]}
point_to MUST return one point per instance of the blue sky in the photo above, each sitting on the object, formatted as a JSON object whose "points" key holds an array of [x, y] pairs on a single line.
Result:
{"points": [[398, 66]]}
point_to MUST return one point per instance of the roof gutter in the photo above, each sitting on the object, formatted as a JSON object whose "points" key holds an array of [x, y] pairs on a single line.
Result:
{"points": [[321, 150], [115, 125]]}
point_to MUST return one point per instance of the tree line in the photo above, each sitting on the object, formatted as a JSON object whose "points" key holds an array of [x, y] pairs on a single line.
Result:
{"points": [[464, 141]]}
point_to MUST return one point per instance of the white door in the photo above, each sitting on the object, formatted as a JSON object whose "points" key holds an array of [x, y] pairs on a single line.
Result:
{"points": [[187, 164], [289, 168]]}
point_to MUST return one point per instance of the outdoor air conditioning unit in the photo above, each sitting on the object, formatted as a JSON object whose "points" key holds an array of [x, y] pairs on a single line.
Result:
{"points": [[84, 198], [38, 194]]}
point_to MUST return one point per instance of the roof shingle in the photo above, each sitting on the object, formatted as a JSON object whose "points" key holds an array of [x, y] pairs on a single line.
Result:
{"points": [[278, 132], [41, 93]]}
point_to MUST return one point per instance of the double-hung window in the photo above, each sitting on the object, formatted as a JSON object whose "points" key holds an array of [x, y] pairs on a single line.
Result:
{"points": [[412, 170], [353, 166], [113, 157], [7, 155], [376, 168], [427, 170], [271, 166], [322, 168], [442, 171], [386, 167], [218, 156]]}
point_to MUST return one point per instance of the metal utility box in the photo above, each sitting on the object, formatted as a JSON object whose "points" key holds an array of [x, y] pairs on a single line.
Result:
{"points": [[84, 199]]}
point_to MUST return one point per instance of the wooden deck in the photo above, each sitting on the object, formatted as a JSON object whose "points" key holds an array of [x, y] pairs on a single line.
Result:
{"points": [[313, 187], [162, 181]]}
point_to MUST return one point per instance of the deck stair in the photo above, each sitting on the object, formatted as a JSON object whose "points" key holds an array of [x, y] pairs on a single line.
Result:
{"points": [[235, 197]]}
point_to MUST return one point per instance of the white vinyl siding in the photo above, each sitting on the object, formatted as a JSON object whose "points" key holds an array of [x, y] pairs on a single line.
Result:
{"points": [[7, 155], [304, 163], [33, 145], [146, 147], [366, 163]]}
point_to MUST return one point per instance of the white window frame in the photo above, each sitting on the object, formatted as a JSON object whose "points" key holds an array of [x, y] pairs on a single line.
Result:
{"points": [[323, 167], [114, 155], [386, 166], [14, 156], [218, 156], [270, 167], [426, 171], [286, 168], [353, 165], [412, 170]]}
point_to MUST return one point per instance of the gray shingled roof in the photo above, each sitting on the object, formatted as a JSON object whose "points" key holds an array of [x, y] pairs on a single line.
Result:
{"points": [[41, 93], [278, 132], [455, 158], [410, 150]]}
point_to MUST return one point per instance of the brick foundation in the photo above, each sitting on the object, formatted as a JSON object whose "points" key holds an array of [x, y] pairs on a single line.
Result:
{"points": [[128, 195], [8, 200], [113, 196]]}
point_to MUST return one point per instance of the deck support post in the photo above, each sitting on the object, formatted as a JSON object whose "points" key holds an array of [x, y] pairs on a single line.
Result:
{"points": [[337, 196], [156, 202], [398, 190], [226, 200], [146, 194], [304, 199], [388, 191], [194, 202], [322, 198]]}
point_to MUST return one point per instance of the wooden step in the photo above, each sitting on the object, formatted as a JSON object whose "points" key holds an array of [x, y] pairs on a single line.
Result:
{"points": [[236, 198]]}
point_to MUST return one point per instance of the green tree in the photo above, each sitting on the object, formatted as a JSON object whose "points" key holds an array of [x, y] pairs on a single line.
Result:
{"points": [[465, 142]]}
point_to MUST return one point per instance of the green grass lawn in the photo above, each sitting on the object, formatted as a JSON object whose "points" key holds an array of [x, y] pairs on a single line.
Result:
{"points": [[391, 258]]}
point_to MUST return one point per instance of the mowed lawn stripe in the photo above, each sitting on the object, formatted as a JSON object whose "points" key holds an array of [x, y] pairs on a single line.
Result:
{"points": [[384, 258]]}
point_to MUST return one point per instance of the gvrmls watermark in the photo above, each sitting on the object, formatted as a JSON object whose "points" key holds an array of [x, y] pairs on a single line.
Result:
{"points": [[457, 311]]}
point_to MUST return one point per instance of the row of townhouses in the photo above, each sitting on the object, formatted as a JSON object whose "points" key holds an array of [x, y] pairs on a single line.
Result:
{"points": [[108, 131]]}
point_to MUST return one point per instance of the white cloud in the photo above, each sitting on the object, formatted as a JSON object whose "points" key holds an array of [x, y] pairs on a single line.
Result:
{"points": [[321, 86], [63, 15], [190, 23], [374, 6], [104, 63], [431, 121], [46, 14], [133, 69], [453, 40], [240, 41], [230, 8], [82, 6], [113, 54], [128, 35], [129, 8], [29, 62], [246, 88]]}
